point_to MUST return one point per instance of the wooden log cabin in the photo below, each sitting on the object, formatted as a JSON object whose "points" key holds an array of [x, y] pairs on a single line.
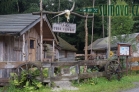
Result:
{"points": [[20, 37], [20, 40]]}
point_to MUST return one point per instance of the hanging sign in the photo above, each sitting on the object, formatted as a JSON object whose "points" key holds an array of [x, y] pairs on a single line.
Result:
{"points": [[64, 27]]}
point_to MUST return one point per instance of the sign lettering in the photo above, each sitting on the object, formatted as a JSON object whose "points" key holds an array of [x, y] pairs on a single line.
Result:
{"points": [[64, 27]]}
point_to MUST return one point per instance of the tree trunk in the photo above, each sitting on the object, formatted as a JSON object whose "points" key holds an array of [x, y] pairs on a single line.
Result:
{"points": [[92, 29], [86, 42], [109, 32], [18, 6], [103, 25], [86, 39]]}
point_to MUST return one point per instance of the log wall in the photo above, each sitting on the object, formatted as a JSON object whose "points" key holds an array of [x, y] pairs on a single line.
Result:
{"points": [[32, 34], [134, 63], [11, 49], [66, 55]]}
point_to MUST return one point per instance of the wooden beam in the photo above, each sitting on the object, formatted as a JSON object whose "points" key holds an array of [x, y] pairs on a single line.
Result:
{"points": [[50, 12], [48, 39], [30, 26], [23, 48], [53, 50], [41, 30]]}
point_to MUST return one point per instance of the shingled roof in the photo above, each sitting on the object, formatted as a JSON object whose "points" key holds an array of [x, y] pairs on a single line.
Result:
{"points": [[17, 23], [65, 45], [102, 43]]}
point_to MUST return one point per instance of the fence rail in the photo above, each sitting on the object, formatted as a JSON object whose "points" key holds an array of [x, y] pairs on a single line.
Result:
{"points": [[66, 69]]}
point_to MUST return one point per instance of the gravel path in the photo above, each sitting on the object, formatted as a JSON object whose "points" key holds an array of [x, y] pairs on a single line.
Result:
{"points": [[63, 85], [136, 89], [132, 90]]}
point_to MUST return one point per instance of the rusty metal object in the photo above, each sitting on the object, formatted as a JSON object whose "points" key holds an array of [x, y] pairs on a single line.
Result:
{"points": [[113, 69]]}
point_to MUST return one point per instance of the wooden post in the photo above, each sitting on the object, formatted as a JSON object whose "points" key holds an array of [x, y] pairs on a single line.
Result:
{"points": [[103, 24], [86, 39], [86, 43], [53, 50], [41, 30], [126, 65], [109, 31], [78, 72], [1, 50], [92, 29], [23, 48]]}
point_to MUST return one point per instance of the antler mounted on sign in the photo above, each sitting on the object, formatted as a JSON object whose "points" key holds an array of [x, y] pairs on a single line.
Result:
{"points": [[67, 12]]}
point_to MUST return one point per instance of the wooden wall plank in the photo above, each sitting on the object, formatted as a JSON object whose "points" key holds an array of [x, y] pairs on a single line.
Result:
{"points": [[1, 53], [33, 34], [70, 56], [1, 48], [133, 59]]}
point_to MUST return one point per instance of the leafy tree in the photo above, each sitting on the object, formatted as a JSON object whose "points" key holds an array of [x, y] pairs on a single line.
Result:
{"points": [[18, 6], [125, 38], [8, 6], [121, 24]]}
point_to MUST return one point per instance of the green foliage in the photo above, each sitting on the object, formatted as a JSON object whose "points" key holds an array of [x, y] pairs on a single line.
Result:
{"points": [[18, 6], [93, 81], [121, 24], [33, 8], [12, 88], [28, 84], [89, 69], [8, 6], [45, 72], [125, 38], [103, 85], [90, 85]]}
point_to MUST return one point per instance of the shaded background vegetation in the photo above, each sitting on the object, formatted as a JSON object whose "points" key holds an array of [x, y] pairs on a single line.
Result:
{"points": [[77, 39]]}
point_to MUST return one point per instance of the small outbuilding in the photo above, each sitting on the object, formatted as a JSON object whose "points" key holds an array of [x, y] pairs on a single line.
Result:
{"points": [[67, 51], [99, 47]]}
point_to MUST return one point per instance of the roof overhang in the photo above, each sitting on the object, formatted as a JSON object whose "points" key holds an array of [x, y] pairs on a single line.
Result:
{"points": [[30, 26]]}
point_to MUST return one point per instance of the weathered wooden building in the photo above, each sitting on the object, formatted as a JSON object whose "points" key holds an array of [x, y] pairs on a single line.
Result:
{"points": [[67, 52], [62, 52], [20, 40], [99, 47], [20, 37]]}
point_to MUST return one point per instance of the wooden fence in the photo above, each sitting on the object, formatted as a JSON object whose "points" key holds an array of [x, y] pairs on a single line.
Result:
{"points": [[134, 63], [66, 69], [69, 66]]}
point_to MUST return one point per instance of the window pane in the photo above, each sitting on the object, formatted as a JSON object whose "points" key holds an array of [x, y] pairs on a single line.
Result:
{"points": [[31, 44]]}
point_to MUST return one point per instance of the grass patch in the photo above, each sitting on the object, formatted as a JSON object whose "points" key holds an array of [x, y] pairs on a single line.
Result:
{"points": [[12, 88], [91, 85], [103, 85]]}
